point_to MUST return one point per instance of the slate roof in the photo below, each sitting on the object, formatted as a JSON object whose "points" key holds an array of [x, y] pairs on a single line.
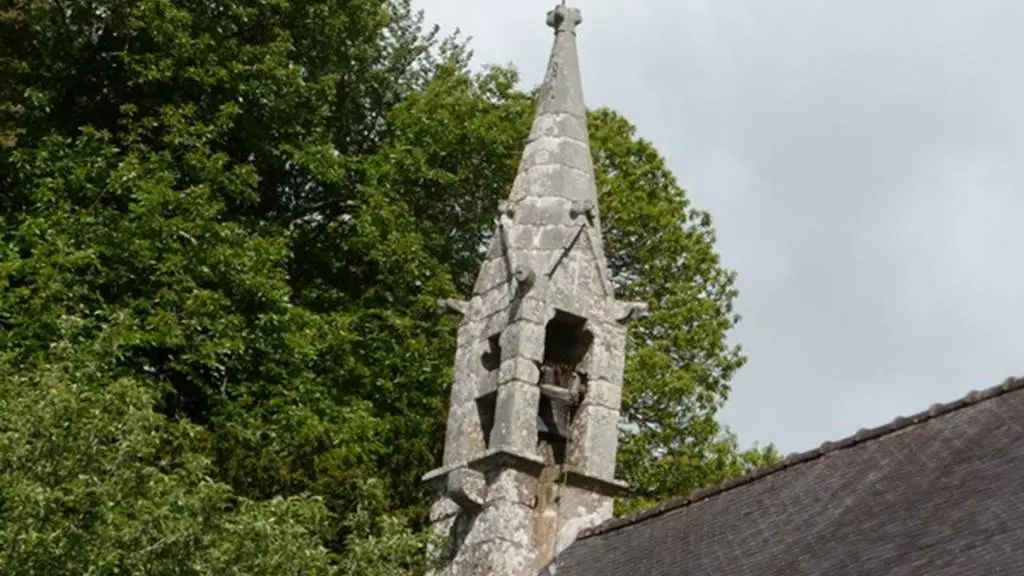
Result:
{"points": [[938, 493]]}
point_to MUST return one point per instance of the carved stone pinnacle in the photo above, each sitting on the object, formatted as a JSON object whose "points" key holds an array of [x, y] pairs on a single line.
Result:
{"points": [[582, 208], [452, 306], [524, 275], [466, 488], [506, 208], [630, 311]]}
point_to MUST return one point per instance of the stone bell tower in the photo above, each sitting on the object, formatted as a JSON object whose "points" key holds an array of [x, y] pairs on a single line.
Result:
{"points": [[529, 456]]}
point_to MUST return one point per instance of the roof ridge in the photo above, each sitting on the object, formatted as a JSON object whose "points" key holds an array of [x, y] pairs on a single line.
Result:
{"points": [[861, 436]]}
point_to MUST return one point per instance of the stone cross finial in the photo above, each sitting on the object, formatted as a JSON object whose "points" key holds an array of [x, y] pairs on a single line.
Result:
{"points": [[565, 19]]}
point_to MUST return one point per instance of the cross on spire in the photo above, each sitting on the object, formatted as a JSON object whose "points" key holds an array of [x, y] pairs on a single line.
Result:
{"points": [[564, 19]]}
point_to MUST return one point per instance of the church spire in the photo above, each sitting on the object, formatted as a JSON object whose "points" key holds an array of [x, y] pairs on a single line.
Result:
{"points": [[557, 160], [555, 184], [529, 456], [563, 88], [558, 143]]}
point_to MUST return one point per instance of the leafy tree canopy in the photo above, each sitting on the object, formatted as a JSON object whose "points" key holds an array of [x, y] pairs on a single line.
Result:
{"points": [[223, 227]]}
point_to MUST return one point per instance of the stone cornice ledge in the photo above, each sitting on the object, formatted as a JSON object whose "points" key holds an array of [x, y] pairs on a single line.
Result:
{"points": [[437, 474], [604, 486], [505, 457]]}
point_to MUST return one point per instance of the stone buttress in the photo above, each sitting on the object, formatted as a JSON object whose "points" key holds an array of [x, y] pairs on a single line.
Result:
{"points": [[529, 456]]}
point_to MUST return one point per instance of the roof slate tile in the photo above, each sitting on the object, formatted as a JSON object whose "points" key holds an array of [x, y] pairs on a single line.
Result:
{"points": [[937, 493]]}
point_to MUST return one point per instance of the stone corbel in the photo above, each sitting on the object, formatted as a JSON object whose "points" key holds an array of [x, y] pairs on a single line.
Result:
{"points": [[452, 306], [507, 209], [462, 484], [505, 220], [525, 277], [629, 311], [466, 488], [583, 208]]}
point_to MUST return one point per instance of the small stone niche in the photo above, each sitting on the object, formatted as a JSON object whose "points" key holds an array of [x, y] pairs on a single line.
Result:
{"points": [[491, 358], [485, 406], [490, 361]]}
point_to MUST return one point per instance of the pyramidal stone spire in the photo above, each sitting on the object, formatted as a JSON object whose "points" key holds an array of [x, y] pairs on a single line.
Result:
{"points": [[529, 455], [558, 146], [556, 173]]}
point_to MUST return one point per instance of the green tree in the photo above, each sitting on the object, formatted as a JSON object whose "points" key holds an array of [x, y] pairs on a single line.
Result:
{"points": [[95, 482], [661, 251], [223, 229], [164, 166]]}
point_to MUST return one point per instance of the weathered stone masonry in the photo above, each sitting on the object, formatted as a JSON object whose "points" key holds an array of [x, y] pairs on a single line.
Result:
{"points": [[529, 457]]}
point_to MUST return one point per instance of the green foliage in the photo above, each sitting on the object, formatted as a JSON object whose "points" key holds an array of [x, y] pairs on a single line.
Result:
{"points": [[168, 169], [223, 229], [95, 482], [661, 251]]}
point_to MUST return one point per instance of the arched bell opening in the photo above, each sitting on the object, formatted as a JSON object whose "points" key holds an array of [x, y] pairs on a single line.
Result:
{"points": [[562, 383]]}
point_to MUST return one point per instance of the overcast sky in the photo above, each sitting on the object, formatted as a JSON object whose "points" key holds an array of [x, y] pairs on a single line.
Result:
{"points": [[863, 163]]}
